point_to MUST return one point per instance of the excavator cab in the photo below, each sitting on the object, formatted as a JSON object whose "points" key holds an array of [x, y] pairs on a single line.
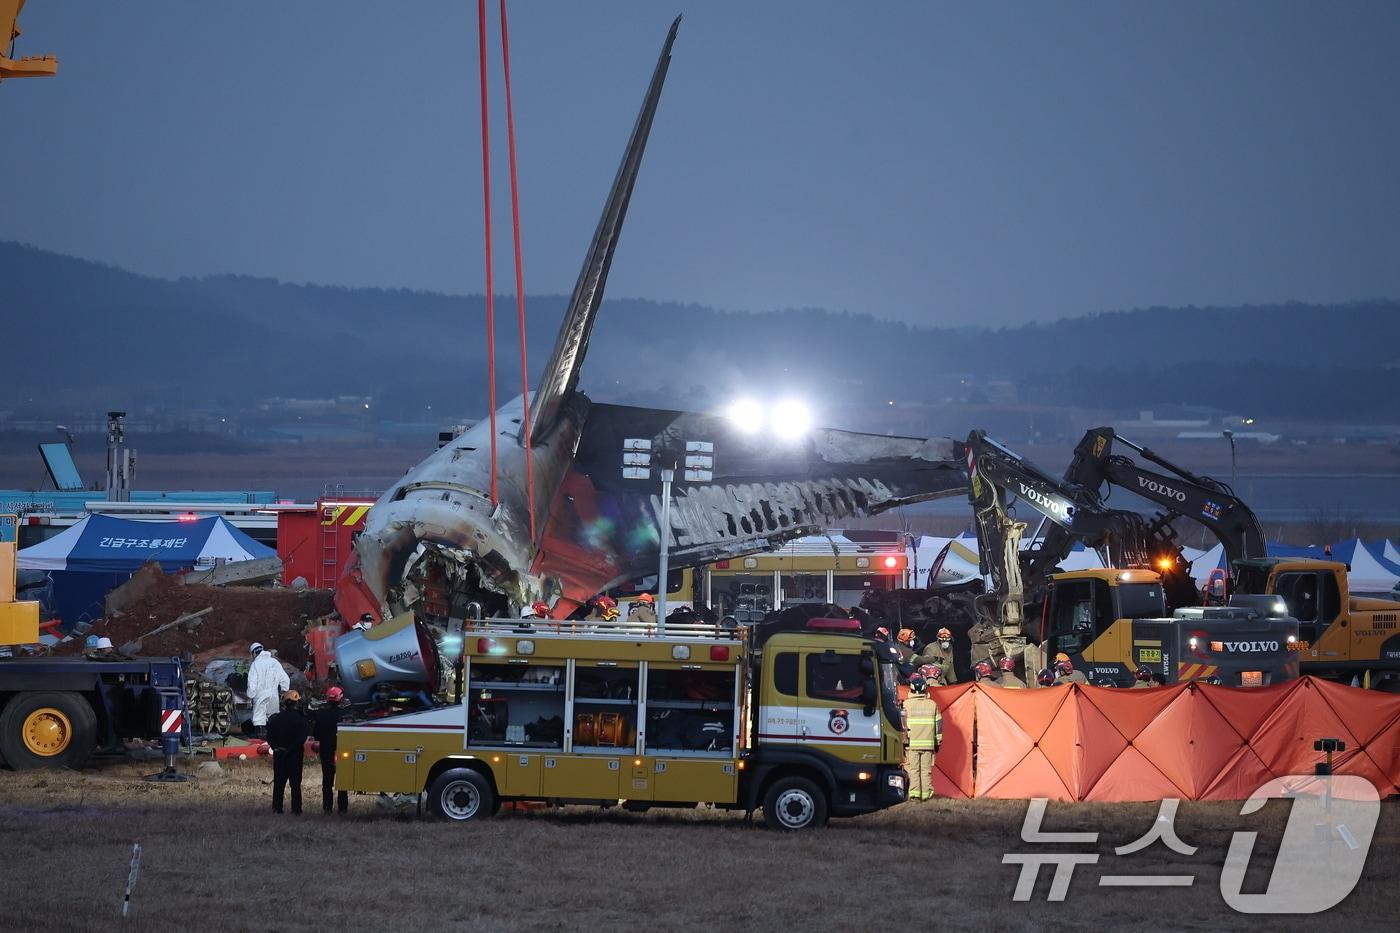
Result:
{"points": [[1082, 615]]}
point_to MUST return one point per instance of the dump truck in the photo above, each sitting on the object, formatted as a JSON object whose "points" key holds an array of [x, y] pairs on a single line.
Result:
{"points": [[803, 724]]}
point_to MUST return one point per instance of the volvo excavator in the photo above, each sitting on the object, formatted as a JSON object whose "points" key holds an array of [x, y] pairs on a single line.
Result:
{"points": [[1109, 622], [1340, 636]]}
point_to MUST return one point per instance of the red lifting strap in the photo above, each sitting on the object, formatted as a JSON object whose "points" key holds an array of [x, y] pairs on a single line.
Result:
{"points": [[519, 272], [490, 279]]}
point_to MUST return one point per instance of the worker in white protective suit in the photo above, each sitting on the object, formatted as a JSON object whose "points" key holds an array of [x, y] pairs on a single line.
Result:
{"points": [[266, 681]]}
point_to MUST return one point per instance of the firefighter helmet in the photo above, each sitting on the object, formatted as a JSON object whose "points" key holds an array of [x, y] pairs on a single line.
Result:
{"points": [[1063, 665], [983, 668], [646, 598], [917, 684], [335, 695], [1045, 678], [945, 634], [1144, 674], [906, 636], [1007, 664], [605, 602], [541, 609]]}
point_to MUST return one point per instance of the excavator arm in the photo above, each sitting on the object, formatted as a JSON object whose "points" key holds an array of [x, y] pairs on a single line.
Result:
{"points": [[1178, 492], [999, 477], [34, 66]]}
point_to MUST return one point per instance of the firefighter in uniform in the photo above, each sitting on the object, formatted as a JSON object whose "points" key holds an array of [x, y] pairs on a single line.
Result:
{"points": [[934, 675], [921, 725], [940, 652], [644, 610], [1143, 679], [985, 674], [1065, 672], [1008, 676]]}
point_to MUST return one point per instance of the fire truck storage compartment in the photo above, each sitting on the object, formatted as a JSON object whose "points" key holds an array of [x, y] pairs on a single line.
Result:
{"points": [[690, 712], [515, 705], [605, 705]]}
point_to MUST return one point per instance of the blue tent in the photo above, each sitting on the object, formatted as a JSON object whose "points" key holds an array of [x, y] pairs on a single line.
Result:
{"points": [[100, 553]]}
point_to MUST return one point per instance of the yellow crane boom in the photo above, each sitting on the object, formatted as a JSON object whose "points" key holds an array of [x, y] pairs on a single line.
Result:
{"points": [[33, 66]]}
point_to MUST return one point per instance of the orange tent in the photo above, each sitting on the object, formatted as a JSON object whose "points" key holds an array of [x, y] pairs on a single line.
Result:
{"points": [[1190, 741]]}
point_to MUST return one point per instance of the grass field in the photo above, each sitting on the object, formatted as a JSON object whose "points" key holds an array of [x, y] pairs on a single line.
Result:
{"points": [[216, 858]]}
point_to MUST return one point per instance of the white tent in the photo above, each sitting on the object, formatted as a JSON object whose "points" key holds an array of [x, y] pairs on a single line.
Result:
{"points": [[1369, 573]]}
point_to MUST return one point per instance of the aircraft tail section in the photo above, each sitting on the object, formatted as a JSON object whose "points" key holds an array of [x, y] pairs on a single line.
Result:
{"points": [[562, 371]]}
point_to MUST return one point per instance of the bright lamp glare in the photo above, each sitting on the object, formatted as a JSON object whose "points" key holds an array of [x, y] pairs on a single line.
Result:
{"points": [[746, 415], [791, 419]]}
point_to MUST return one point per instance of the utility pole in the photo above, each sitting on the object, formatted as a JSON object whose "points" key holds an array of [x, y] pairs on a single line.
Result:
{"points": [[639, 457], [1230, 436]]}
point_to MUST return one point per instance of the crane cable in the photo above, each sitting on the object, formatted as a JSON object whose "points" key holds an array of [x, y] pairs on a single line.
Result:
{"points": [[486, 211], [519, 273]]}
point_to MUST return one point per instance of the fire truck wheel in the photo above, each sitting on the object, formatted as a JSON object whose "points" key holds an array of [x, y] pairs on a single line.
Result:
{"points": [[47, 730], [461, 794], [794, 803]]}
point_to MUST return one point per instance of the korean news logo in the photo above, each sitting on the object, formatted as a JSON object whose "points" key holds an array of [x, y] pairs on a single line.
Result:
{"points": [[1319, 861]]}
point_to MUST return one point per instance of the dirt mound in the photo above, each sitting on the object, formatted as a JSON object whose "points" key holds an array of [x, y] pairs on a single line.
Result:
{"points": [[239, 616]]}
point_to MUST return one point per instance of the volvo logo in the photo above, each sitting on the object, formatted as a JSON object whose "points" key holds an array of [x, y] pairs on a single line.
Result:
{"points": [[1151, 485], [1052, 506], [1251, 645]]}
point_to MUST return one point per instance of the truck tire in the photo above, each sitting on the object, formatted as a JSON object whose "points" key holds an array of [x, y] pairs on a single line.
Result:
{"points": [[47, 730], [794, 803], [461, 794]]}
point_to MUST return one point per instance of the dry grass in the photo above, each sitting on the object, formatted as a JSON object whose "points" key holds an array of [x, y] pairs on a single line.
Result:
{"points": [[215, 857]]}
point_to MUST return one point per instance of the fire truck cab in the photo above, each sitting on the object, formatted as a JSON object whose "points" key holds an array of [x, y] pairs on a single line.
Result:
{"points": [[802, 724]]}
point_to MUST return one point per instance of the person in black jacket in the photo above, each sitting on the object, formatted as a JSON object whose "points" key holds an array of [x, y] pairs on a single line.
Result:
{"points": [[325, 722], [286, 733]]}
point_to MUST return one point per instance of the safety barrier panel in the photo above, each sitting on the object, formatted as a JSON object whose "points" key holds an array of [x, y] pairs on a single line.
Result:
{"points": [[1190, 741]]}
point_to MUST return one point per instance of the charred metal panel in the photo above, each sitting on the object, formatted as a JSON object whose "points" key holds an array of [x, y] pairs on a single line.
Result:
{"points": [[764, 491]]}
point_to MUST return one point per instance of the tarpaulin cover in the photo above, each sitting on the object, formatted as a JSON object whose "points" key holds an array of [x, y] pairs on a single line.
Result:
{"points": [[1190, 741]]}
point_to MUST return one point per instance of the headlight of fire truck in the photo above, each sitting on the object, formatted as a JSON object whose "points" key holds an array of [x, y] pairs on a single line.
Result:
{"points": [[896, 780]]}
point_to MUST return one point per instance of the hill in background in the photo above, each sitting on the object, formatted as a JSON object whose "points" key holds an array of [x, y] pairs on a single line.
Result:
{"points": [[86, 336]]}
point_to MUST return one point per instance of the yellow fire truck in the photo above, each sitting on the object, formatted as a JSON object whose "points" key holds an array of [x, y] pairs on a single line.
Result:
{"points": [[803, 724]]}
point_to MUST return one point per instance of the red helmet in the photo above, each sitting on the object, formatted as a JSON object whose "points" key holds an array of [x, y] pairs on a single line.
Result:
{"points": [[605, 602], [906, 636], [540, 608], [928, 669], [1008, 665], [983, 668], [1143, 674], [1045, 678], [882, 632], [335, 695]]}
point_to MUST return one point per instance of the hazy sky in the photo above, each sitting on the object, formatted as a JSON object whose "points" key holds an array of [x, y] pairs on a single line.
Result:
{"points": [[939, 163]]}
